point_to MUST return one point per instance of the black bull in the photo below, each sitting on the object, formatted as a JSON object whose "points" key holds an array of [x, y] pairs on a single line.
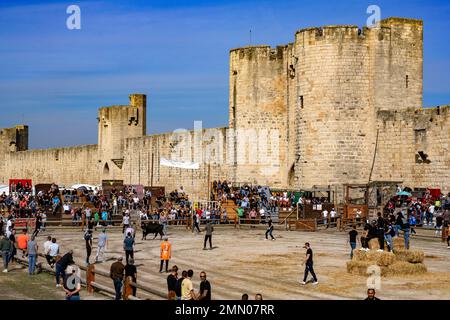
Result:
{"points": [[151, 227]]}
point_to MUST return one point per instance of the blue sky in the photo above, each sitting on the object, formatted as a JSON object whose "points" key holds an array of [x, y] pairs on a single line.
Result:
{"points": [[176, 52]]}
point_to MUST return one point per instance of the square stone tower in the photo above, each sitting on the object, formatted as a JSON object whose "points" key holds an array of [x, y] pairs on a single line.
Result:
{"points": [[115, 124]]}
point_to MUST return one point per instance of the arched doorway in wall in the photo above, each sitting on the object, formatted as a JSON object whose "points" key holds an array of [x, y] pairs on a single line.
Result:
{"points": [[106, 172]]}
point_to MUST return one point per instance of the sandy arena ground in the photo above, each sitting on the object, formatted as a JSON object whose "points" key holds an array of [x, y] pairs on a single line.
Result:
{"points": [[242, 262]]}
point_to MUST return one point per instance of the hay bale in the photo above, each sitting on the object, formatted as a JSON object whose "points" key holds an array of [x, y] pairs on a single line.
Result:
{"points": [[411, 256], [399, 242], [403, 267], [360, 267], [374, 244], [380, 258], [359, 255]]}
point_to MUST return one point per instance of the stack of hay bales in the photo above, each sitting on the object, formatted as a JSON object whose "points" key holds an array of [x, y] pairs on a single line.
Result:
{"points": [[401, 262]]}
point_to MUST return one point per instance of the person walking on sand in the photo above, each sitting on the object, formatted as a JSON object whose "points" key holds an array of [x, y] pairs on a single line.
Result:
{"points": [[269, 229], [88, 240], [32, 250], [101, 245], [308, 262], [353, 236], [128, 246], [116, 273], [22, 241], [166, 253], [208, 235], [5, 248]]}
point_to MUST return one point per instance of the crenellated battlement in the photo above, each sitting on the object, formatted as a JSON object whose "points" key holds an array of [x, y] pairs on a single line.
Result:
{"points": [[340, 104]]}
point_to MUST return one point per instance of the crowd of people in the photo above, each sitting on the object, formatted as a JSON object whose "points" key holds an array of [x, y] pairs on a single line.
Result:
{"points": [[98, 209]]}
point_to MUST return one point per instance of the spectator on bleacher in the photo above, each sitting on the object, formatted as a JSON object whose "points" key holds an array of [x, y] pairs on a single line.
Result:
{"points": [[253, 215], [224, 215], [240, 212], [104, 217], [55, 204]]}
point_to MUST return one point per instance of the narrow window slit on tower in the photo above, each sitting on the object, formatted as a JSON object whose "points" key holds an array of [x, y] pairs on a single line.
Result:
{"points": [[407, 81]]}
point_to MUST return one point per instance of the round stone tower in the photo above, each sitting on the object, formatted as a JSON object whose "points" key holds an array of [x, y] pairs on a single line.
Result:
{"points": [[335, 120]]}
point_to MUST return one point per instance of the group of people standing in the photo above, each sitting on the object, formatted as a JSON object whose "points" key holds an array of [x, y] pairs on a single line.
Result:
{"points": [[181, 288]]}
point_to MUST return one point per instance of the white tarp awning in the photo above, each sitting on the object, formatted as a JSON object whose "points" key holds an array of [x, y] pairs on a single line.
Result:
{"points": [[84, 186], [179, 164], [4, 189]]}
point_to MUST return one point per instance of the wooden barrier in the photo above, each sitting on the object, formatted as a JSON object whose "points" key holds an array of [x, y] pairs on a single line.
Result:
{"points": [[127, 288], [303, 225], [91, 285], [90, 278]]}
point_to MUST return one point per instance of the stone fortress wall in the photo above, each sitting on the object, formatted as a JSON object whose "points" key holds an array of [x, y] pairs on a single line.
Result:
{"points": [[338, 105]]}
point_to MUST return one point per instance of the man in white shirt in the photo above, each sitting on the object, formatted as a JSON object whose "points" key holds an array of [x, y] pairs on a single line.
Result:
{"points": [[130, 230], [187, 289], [125, 222], [333, 215], [52, 252], [262, 213], [43, 220], [9, 227], [325, 217], [88, 213], [47, 245], [101, 246]]}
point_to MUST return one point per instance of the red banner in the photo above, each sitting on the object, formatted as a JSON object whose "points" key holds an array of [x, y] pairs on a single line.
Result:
{"points": [[22, 223], [25, 183]]}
